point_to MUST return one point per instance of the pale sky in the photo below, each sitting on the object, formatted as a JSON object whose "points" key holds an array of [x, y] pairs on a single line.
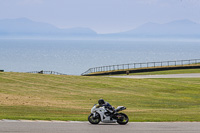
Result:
{"points": [[103, 16]]}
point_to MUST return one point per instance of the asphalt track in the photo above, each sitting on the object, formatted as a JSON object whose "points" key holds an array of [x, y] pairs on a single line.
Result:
{"points": [[189, 75], [85, 127]]}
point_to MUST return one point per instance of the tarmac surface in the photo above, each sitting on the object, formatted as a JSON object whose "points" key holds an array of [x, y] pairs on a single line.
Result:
{"points": [[11, 126], [189, 75]]}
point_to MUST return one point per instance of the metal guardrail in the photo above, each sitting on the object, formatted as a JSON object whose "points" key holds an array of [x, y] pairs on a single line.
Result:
{"points": [[140, 65], [47, 72]]}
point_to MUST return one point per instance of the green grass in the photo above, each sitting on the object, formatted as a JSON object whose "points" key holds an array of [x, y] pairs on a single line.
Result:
{"points": [[54, 97], [180, 71]]}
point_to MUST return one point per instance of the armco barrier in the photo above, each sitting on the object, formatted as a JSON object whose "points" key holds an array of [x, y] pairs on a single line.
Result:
{"points": [[118, 69]]}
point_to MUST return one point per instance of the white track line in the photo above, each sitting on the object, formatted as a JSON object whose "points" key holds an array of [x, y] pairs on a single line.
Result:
{"points": [[53, 121]]}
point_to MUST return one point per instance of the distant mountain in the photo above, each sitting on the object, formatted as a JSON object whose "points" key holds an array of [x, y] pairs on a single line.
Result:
{"points": [[179, 28], [27, 27]]}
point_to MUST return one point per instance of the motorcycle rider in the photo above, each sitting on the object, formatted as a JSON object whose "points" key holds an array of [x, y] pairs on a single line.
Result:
{"points": [[107, 106]]}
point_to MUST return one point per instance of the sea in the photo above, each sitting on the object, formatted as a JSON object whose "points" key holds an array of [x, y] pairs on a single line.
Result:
{"points": [[73, 57]]}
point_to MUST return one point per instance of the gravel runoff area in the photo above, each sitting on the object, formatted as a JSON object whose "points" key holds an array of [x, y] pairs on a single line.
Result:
{"points": [[27, 126], [190, 75]]}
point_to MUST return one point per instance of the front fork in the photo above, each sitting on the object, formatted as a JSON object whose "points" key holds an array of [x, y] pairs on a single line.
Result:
{"points": [[95, 115]]}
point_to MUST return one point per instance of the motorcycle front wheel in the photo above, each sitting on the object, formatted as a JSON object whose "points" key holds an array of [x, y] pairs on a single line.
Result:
{"points": [[122, 119], [93, 120]]}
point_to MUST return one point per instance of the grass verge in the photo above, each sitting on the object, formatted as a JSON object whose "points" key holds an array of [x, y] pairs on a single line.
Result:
{"points": [[54, 97]]}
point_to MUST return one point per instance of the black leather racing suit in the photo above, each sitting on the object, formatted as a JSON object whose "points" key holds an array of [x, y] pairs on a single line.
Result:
{"points": [[108, 107]]}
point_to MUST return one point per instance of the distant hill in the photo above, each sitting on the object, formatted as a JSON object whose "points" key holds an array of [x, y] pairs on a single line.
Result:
{"points": [[179, 28], [27, 27]]}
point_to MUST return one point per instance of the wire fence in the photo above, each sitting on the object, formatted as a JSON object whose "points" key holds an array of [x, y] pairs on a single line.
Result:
{"points": [[141, 65], [47, 72]]}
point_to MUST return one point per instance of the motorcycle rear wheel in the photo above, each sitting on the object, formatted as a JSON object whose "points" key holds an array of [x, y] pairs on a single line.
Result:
{"points": [[123, 120], [94, 120]]}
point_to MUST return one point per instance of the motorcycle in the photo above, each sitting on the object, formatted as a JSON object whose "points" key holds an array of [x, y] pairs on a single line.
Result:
{"points": [[102, 114]]}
